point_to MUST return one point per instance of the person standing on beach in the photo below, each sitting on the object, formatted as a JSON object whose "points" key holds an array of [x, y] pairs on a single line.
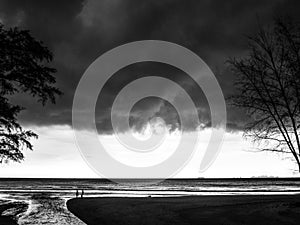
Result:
{"points": [[82, 193], [77, 193]]}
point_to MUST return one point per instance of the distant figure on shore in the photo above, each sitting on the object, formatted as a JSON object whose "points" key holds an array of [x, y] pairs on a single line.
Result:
{"points": [[82, 193], [77, 193]]}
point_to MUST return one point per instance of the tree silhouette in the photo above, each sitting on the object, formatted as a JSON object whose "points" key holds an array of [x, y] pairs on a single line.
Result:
{"points": [[23, 69], [268, 87]]}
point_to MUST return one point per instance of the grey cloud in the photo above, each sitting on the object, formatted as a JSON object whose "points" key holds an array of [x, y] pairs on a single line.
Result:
{"points": [[79, 31]]}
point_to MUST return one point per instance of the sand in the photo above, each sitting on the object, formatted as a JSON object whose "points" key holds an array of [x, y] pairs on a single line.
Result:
{"points": [[218, 210]]}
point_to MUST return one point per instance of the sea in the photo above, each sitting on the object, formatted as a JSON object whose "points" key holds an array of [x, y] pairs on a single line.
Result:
{"points": [[43, 201]]}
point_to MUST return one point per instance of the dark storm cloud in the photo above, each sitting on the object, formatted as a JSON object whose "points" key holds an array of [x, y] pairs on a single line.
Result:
{"points": [[146, 110], [79, 31]]}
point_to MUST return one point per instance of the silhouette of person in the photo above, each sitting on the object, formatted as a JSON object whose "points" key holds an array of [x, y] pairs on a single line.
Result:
{"points": [[82, 193], [77, 193]]}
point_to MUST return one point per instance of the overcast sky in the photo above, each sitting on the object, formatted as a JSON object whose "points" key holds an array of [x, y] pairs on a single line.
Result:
{"points": [[78, 32]]}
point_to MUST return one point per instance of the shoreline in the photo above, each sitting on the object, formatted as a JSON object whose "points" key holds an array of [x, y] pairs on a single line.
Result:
{"points": [[210, 210]]}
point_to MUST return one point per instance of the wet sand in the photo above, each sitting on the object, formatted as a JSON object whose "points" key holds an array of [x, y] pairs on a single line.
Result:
{"points": [[35, 209], [208, 210], [9, 211]]}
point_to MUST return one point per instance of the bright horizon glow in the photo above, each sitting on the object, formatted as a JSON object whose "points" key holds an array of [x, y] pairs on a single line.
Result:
{"points": [[55, 155]]}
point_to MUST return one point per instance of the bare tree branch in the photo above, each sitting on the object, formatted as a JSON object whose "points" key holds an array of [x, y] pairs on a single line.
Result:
{"points": [[268, 83]]}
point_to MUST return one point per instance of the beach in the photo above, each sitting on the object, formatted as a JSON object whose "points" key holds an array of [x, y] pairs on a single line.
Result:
{"points": [[208, 210], [179, 201]]}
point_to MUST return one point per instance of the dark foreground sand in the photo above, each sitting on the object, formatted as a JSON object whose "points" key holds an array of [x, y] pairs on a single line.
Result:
{"points": [[219, 210]]}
